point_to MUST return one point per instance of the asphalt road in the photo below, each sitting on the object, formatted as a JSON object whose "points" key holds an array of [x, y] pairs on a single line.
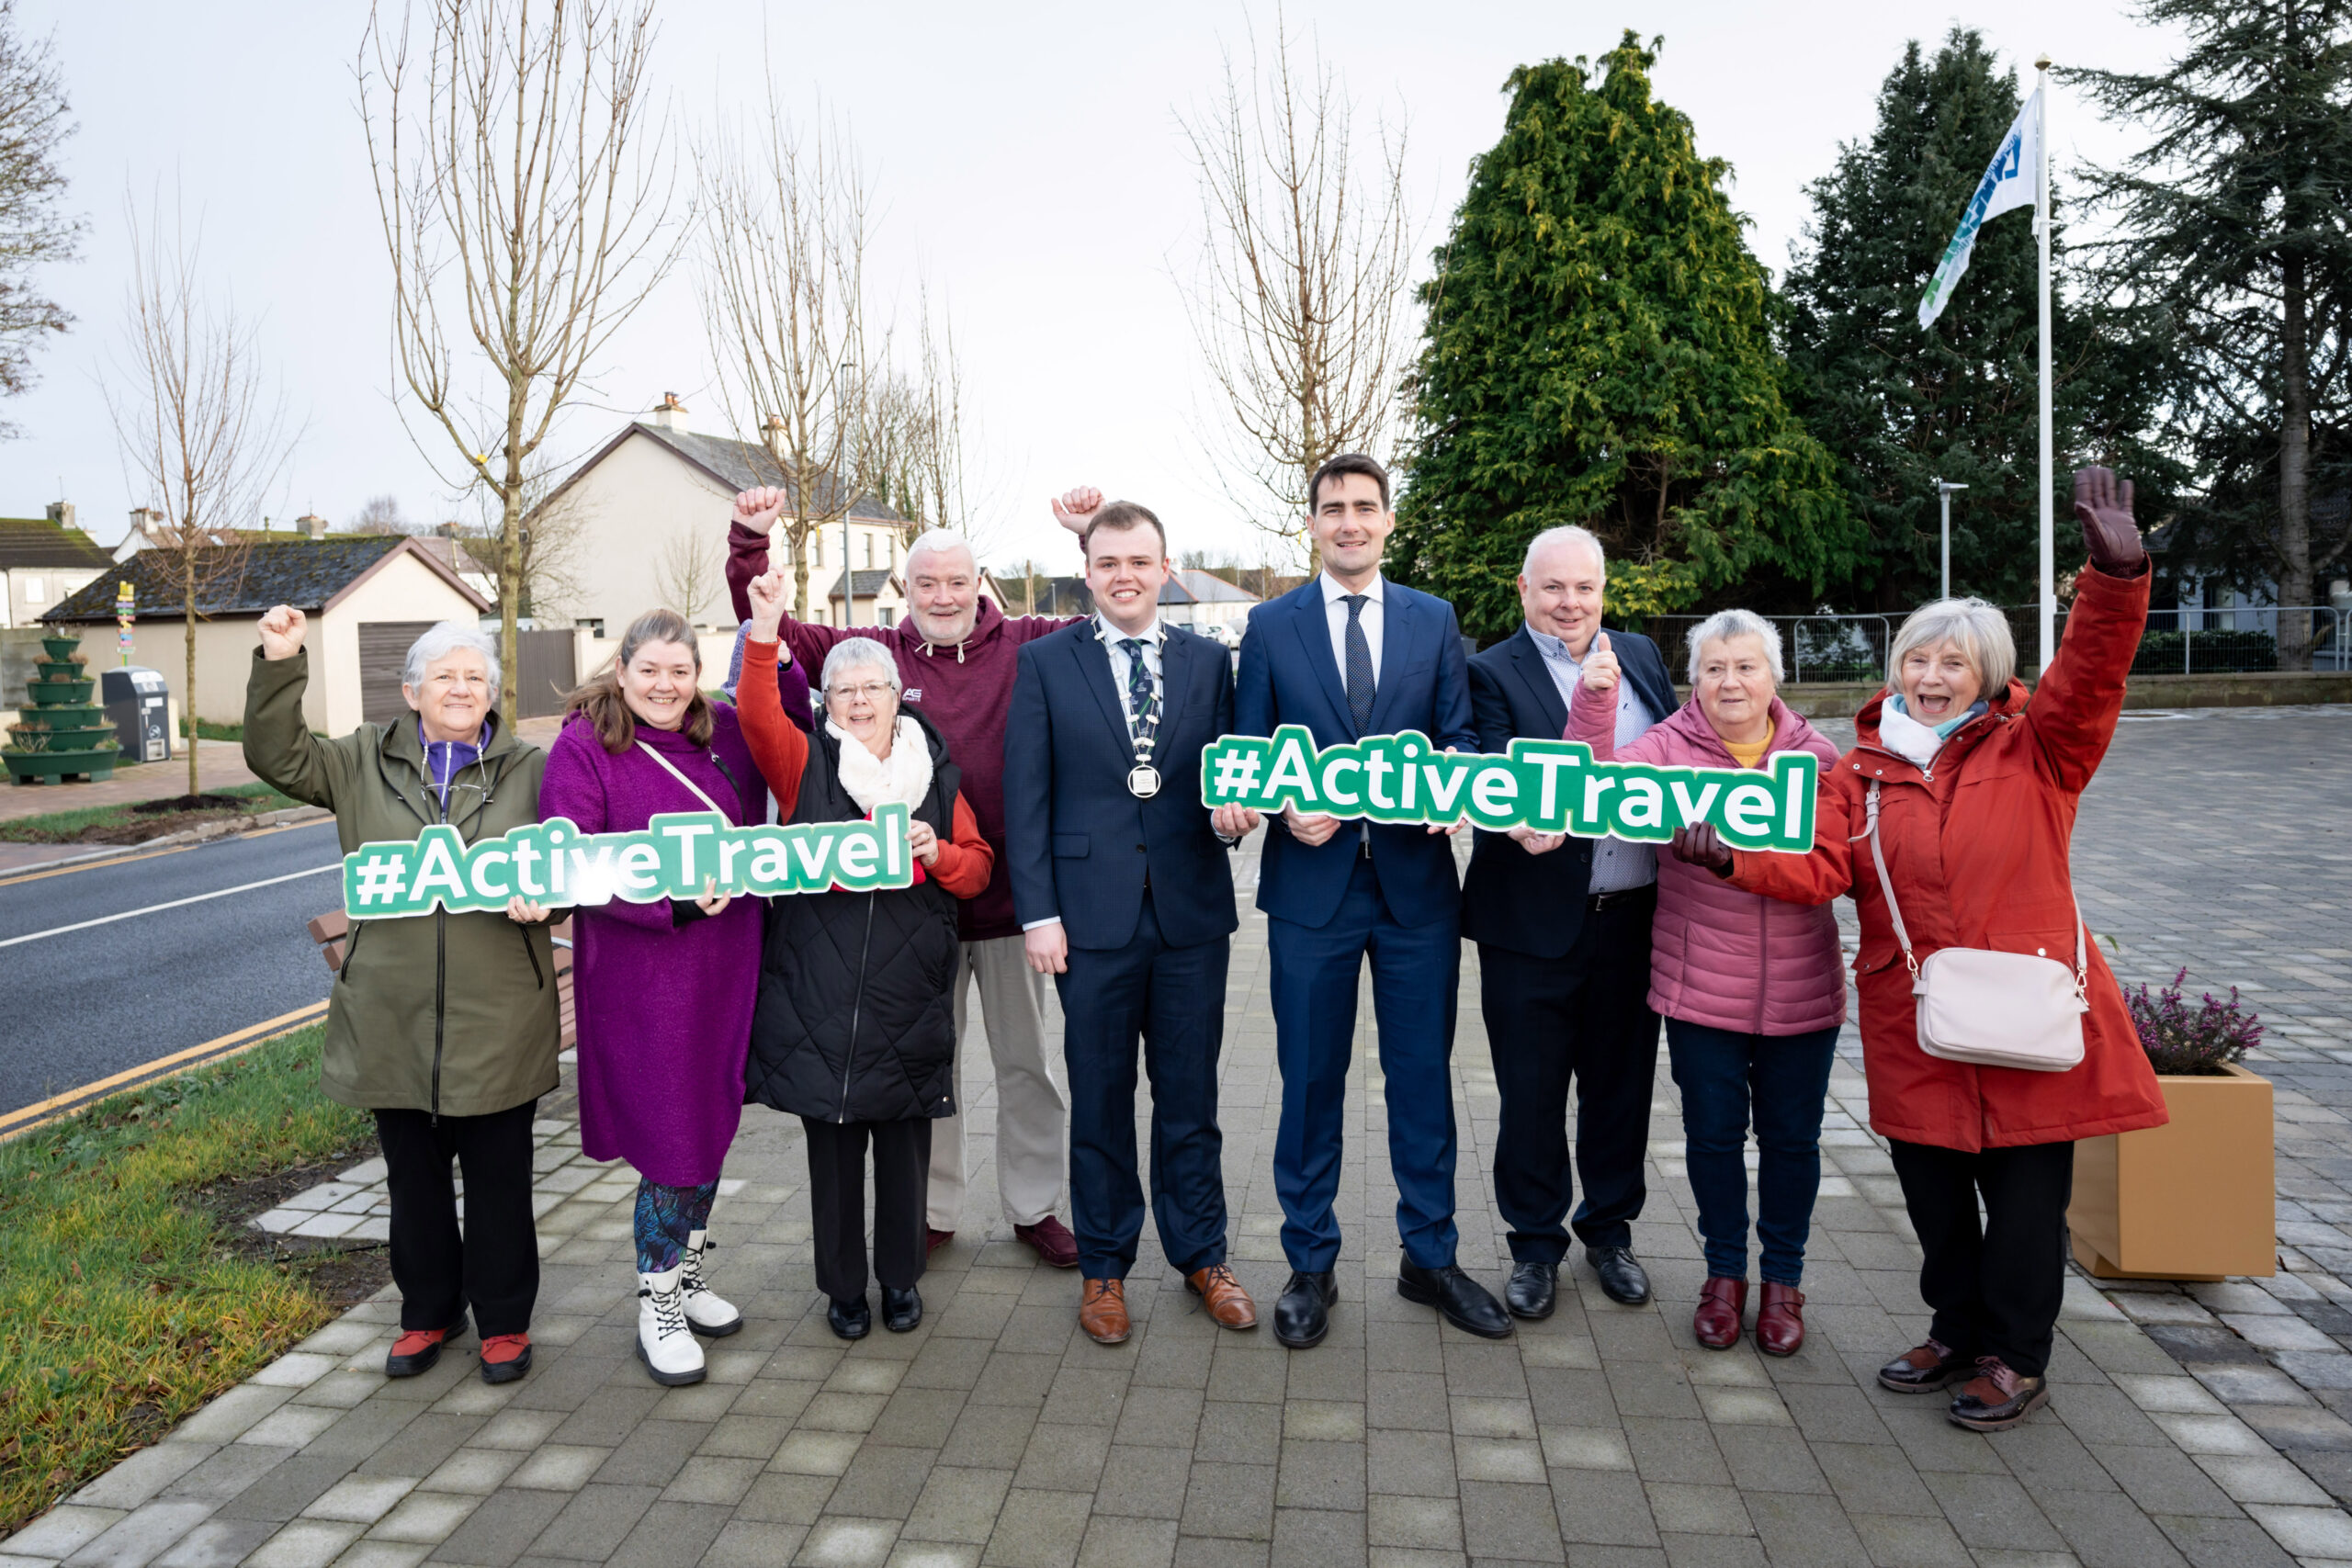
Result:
{"points": [[82, 1005]]}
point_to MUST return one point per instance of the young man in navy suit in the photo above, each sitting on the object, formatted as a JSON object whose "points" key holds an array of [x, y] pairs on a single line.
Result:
{"points": [[1350, 654], [1563, 929], [1121, 884]]}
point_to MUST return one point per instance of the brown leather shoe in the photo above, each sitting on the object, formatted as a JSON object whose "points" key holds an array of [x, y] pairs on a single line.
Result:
{"points": [[1996, 1398], [1779, 1322], [1228, 1304], [1924, 1369], [1103, 1310], [1723, 1307]]}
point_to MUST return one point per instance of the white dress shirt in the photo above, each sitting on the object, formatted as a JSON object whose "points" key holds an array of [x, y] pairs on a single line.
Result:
{"points": [[1152, 637], [1335, 610], [1617, 865]]}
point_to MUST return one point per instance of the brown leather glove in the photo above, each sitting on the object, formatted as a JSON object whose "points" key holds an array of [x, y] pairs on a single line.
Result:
{"points": [[2109, 532], [1701, 845]]}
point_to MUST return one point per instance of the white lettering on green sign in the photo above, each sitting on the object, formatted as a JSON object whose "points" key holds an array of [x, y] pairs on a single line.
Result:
{"points": [[677, 857], [1554, 786]]}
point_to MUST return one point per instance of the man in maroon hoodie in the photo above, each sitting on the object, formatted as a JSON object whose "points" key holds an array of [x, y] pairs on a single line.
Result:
{"points": [[955, 653]]}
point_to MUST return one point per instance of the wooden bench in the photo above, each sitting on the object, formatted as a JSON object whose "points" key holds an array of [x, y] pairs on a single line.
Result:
{"points": [[331, 932]]}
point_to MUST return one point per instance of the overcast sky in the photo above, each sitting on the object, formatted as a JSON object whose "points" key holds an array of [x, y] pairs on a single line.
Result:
{"points": [[1035, 167]]}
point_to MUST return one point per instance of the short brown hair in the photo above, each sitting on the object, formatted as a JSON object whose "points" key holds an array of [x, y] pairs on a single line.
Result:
{"points": [[1122, 515], [600, 698], [1346, 463]]}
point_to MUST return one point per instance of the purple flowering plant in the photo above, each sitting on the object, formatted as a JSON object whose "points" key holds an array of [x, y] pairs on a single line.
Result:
{"points": [[2196, 1044]]}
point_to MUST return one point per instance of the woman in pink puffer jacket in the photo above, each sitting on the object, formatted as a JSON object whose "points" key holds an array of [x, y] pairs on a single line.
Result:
{"points": [[1750, 987]]}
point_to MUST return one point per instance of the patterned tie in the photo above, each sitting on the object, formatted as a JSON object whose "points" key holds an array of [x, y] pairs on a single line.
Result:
{"points": [[1360, 683], [1143, 701]]}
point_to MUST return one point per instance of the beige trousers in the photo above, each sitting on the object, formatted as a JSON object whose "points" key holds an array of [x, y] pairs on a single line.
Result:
{"points": [[1032, 1111]]}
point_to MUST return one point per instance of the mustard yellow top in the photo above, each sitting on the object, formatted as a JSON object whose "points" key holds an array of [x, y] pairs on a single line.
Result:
{"points": [[1748, 756]]}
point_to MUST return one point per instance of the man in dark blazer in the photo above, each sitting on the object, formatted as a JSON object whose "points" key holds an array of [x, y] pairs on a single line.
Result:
{"points": [[1348, 655], [1121, 884], [1563, 929]]}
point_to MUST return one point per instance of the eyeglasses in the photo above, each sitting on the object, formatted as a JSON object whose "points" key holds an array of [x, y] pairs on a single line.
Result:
{"points": [[871, 692]]}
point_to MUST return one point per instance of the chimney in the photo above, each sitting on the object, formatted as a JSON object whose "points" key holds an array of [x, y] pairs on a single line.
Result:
{"points": [[61, 514], [144, 521], [670, 414], [311, 524]]}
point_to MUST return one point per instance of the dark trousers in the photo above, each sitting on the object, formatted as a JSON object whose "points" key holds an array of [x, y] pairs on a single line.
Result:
{"points": [[1582, 1017], [1415, 973], [1994, 1285], [837, 1201], [492, 1266], [1780, 1082], [1173, 998]]}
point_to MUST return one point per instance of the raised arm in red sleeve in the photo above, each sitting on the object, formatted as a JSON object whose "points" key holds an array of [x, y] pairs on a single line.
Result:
{"points": [[777, 744]]}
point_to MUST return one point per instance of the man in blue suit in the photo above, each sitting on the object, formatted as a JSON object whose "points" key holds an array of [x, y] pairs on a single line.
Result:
{"points": [[1121, 884], [1350, 654]]}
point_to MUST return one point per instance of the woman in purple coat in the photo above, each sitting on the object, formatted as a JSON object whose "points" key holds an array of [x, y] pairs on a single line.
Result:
{"points": [[662, 991]]}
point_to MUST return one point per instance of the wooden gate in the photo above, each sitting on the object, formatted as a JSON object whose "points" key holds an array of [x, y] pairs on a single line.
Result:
{"points": [[546, 672]]}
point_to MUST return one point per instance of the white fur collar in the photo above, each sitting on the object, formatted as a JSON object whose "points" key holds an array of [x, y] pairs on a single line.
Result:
{"points": [[905, 778]]}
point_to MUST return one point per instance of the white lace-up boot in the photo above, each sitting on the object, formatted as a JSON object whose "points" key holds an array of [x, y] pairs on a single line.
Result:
{"points": [[664, 1343], [708, 1312]]}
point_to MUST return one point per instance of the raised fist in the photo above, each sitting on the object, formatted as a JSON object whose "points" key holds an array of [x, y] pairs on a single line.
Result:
{"points": [[281, 632], [756, 509], [1076, 508], [1600, 665], [2109, 532], [767, 593]]}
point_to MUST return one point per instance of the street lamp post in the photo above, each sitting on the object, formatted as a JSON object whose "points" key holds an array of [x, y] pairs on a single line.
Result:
{"points": [[1943, 497]]}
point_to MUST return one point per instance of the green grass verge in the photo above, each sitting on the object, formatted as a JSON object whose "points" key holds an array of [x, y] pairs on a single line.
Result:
{"points": [[123, 1303], [70, 827], [209, 730]]}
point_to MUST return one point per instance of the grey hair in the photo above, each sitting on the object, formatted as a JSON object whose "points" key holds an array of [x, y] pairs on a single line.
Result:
{"points": [[858, 653], [444, 638], [1980, 629], [1567, 533], [1725, 625], [939, 541]]}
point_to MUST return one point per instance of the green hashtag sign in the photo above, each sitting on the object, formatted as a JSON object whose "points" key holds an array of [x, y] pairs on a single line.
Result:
{"points": [[1554, 786], [677, 857]]}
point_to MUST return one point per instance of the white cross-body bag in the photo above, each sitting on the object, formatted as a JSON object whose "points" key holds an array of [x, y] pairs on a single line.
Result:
{"points": [[1993, 1009]]}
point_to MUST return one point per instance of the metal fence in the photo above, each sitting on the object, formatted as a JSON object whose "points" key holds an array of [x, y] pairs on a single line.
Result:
{"points": [[2178, 641]]}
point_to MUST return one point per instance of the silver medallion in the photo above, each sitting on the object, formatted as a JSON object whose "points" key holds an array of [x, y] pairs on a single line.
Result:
{"points": [[1142, 781]]}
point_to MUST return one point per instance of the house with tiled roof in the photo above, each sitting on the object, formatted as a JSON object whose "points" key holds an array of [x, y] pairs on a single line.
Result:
{"points": [[367, 596], [42, 561]]}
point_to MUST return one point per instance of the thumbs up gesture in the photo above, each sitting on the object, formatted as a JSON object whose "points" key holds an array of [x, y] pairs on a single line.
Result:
{"points": [[1600, 665]]}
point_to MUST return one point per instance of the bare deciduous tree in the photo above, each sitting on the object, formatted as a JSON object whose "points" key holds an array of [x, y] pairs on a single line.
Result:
{"points": [[380, 514], [554, 526], [1299, 299], [33, 230], [782, 287], [524, 195], [689, 571], [198, 429], [929, 457]]}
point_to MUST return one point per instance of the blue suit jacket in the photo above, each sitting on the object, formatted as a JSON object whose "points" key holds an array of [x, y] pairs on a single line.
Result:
{"points": [[1534, 904], [1077, 844], [1288, 676]]}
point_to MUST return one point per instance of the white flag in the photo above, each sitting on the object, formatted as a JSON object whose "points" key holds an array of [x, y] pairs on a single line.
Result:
{"points": [[2008, 183]]}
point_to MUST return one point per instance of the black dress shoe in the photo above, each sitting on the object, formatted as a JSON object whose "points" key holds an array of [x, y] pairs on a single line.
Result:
{"points": [[901, 1310], [1622, 1279], [1459, 1299], [1303, 1315], [1534, 1291], [851, 1320]]}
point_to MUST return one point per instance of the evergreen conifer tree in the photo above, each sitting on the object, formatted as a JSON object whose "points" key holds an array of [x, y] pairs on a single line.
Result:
{"points": [[1597, 350]]}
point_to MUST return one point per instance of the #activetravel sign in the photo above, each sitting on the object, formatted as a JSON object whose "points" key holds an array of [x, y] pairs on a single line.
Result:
{"points": [[1554, 786], [677, 857]]}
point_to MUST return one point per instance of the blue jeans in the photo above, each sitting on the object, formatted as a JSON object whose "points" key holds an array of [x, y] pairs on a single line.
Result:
{"points": [[1782, 1081]]}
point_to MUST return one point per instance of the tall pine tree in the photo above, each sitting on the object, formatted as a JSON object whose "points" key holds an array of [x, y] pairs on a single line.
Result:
{"points": [[1597, 351], [1902, 406]]}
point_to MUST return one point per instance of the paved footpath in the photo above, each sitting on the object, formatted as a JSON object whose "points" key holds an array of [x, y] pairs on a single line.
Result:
{"points": [[998, 1434]]}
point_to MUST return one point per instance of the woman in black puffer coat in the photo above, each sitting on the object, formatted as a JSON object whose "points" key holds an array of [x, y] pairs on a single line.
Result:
{"points": [[855, 1032]]}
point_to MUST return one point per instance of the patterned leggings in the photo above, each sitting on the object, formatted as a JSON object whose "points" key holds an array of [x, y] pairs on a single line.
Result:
{"points": [[666, 1217]]}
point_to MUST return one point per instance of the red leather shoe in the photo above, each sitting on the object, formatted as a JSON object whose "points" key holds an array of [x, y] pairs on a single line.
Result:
{"points": [[1779, 1322], [1723, 1306], [936, 1238], [1051, 1239]]}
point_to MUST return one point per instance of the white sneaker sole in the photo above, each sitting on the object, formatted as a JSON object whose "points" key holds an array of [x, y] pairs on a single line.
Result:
{"points": [[668, 1380]]}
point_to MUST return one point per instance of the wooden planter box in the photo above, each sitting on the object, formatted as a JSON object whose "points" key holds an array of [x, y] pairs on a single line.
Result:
{"points": [[2192, 1200]]}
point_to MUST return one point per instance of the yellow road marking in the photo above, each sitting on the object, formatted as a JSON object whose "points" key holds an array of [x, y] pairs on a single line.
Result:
{"points": [[226, 1046]]}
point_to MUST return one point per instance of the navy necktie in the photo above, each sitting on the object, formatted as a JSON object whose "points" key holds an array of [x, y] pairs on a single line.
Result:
{"points": [[1142, 701], [1359, 682]]}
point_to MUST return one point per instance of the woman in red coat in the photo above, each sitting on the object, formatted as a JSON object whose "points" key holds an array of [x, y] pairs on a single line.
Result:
{"points": [[1978, 788]]}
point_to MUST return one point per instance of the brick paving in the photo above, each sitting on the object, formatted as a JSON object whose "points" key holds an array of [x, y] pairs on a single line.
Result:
{"points": [[998, 1434]]}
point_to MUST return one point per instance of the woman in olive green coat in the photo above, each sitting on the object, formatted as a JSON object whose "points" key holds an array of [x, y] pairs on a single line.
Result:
{"points": [[443, 1025]]}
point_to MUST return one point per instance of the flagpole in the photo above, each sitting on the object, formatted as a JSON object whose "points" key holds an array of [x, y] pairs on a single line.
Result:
{"points": [[2048, 606]]}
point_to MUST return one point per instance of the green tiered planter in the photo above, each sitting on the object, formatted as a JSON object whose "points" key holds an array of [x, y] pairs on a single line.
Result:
{"points": [[61, 734]]}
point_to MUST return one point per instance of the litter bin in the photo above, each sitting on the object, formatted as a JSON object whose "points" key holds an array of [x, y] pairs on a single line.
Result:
{"points": [[135, 700]]}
